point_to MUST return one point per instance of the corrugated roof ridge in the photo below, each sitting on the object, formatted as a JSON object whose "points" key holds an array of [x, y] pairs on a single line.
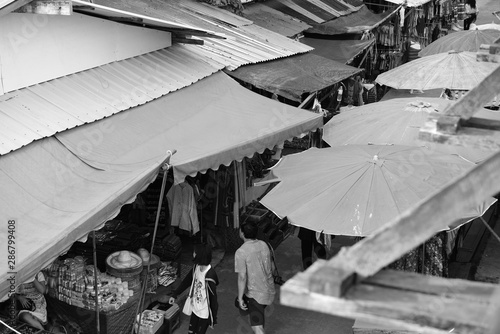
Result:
{"points": [[197, 8], [94, 104]]}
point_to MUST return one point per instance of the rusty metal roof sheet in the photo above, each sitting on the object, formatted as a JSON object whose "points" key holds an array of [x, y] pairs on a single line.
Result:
{"points": [[245, 43], [125, 16], [251, 44], [47, 108], [314, 11], [274, 20], [214, 13]]}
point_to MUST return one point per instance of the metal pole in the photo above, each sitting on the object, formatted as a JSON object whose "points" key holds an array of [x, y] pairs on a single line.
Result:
{"points": [[165, 169], [236, 205], [98, 325]]}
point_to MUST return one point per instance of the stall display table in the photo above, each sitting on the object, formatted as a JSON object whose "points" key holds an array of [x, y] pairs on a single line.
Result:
{"points": [[84, 320]]}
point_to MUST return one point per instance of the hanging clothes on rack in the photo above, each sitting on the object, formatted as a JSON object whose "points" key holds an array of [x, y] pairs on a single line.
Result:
{"points": [[182, 207], [386, 35]]}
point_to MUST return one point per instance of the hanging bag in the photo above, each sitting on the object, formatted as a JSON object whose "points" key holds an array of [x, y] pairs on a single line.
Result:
{"points": [[276, 274], [188, 305]]}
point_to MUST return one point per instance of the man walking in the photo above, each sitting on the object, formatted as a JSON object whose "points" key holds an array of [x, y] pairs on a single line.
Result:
{"points": [[255, 280]]}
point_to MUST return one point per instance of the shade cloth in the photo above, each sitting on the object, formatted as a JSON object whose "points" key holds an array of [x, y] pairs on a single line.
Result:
{"points": [[56, 198], [294, 76], [58, 189], [210, 123], [356, 189], [342, 51], [396, 121], [354, 23], [452, 70], [465, 40]]}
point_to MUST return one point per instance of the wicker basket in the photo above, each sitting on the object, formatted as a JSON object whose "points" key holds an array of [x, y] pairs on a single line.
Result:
{"points": [[130, 275]]}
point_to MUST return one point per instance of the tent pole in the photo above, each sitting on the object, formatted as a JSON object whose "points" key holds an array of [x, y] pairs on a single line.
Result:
{"points": [[236, 205], [165, 167], [216, 197], [94, 251]]}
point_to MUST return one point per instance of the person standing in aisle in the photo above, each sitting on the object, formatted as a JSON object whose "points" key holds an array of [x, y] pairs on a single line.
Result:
{"points": [[203, 290], [470, 13], [255, 279], [308, 244]]}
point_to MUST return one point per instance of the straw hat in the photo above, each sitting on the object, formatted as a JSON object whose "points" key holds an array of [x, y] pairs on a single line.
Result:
{"points": [[123, 260], [148, 258]]}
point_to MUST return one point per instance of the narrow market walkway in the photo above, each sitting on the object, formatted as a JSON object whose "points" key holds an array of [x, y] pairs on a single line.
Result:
{"points": [[488, 268], [280, 319], [486, 8]]}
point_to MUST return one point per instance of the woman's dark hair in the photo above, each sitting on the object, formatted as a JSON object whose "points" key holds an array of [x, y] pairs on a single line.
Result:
{"points": [[472, 3], [203, 255], [249, 230]]}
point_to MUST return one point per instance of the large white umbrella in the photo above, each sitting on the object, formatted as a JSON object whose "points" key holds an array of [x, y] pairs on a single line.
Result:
{"points": [[465, 40], [356, 189], [453, 70], [397, 122]]}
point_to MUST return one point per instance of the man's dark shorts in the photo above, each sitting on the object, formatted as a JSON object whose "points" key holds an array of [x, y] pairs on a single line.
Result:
{"points": [[256, 312]]}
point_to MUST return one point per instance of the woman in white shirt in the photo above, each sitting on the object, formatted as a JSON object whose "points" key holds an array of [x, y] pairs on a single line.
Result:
{"points": [[203, 290]]}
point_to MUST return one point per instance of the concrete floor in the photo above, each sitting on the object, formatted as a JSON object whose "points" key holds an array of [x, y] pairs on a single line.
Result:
{"points": [[486, 8], [280, 319]]}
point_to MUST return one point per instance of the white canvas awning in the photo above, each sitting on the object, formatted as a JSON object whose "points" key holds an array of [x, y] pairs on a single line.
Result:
{"points": [[60, 188]]}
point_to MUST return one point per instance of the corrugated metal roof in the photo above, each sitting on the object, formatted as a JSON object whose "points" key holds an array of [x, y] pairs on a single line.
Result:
{"points": [[244, 44], [215, 13], [314, 11], [87, 96], [274, 20], [45, 109], [90, 8], [251, 44]]}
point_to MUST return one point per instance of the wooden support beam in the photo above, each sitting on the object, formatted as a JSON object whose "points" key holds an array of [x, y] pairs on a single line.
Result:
{"points": [[409, 230], [472, 136], [409, 301], [458, 127], [475, 99], [47, 7], [493, 312]]}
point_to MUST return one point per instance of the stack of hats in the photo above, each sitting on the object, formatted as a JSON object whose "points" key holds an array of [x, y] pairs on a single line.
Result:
{"points": [[127, 266]]}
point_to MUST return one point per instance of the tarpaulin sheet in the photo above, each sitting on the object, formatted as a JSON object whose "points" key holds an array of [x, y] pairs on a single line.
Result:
{"points": [[354, 23], [291, 77], [342, 51], [51, 198], [210, 123], [60, 188], [314, 11]]}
